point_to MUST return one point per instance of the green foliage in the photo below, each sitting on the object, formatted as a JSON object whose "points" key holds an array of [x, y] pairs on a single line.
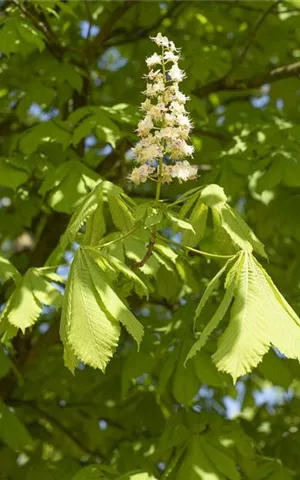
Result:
{"points": [[30, 294], [12, 431], [259, 318], [193, 344], [91, 312], [65, 187]]}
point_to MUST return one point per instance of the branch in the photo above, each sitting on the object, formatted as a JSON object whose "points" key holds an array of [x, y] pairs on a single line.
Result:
{"points": [[55, 423], [217, 135], [42, 26], [112, 158], [137, 34], [252, 37], [225, 84], [107, 28], [250, 8]]}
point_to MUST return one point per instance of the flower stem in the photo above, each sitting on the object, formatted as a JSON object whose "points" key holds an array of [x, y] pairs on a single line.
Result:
{"points": [[153, 233], [159, 182]]}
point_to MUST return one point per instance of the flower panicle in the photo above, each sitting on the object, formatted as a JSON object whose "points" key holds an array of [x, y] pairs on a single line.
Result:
{"points": [[164, 130]]}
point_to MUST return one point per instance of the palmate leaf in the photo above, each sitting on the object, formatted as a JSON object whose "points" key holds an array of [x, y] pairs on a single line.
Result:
{"points": [[42, 134], [11, 175], [223, 461], [206, 370], [12, 431], [239, 231], [91, 472], [197, 219], [89, 119], [247, 337], [139, 286], [203, 460], [5, 363], [178, 222], [26, 302], [92, 313], [70, 359], [225, 217], [259, 318], [272, 469], [87, 208], [137, 476], [7, 270], [83, 211], [185, 382], [209, 290], [232, 278], [112, 303], [87, 332], [65, 186], [95, 225], [120, 212], [188, 204]]}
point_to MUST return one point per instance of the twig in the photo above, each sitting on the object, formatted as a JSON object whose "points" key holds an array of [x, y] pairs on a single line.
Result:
{"points": [[240, 4], [222, 84], [56, 423], [218, 136], [252, 37], [52, 42], [137, 34], [106, 31], [112, 158], [226, 83], [149, 251]]}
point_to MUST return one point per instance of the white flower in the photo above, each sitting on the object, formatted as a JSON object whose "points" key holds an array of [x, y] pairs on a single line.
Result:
{"points": [[177, 107], [155, 59], [155, 75], [176, 74], [146, 105], [170, 119], [153, 152], [145, 126], [150, 90], [184, 171], [172, 47], [170, 56], [165, 128], [140, 174], [178, 148], [180, 97], [147, 149], [189, 150], [154, 88], [167, 173], [157, 111], [166, 133], [184, 121], [161, 41]]}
